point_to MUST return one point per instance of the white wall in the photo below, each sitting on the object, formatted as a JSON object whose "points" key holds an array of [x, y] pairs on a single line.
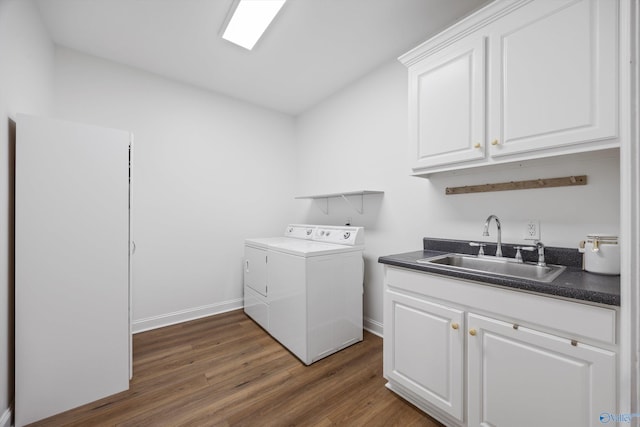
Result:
{"points": [[26, 67], [357, 139], [209, 172]]}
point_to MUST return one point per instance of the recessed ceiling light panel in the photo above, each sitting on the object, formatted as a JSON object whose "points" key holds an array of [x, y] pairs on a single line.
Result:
{"points": [[249, 21]]}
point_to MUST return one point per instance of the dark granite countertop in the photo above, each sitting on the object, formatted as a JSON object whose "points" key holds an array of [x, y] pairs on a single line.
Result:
{"points": [[573, 283]]}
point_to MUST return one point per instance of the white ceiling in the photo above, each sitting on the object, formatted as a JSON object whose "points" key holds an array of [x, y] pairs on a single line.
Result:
{"points": [[312, 49]]}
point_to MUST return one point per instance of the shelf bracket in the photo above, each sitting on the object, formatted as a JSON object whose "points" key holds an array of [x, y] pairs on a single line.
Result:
{"points": [[361, 210], [326, 205]]}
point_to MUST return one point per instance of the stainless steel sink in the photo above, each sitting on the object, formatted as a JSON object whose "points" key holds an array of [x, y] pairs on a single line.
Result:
{"points": [[495, 265]]}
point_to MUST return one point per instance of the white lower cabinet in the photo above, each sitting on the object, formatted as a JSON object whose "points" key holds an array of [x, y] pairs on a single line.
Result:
{"points": [[426, 352], [522, 377], [476, 355]]}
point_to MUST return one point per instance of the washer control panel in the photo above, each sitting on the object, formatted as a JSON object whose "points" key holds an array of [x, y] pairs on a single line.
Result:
{"points": [[300, 231], [351, 236], [340, 235]]}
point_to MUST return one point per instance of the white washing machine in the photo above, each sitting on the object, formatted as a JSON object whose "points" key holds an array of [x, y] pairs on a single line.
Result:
{"points": [[305, 289]]}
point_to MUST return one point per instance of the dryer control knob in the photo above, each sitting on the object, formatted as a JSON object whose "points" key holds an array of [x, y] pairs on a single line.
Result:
{"points": [[346, 234]]}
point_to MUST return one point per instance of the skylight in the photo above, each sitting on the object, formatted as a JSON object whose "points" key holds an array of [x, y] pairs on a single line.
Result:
{"points": [[249, 21]]}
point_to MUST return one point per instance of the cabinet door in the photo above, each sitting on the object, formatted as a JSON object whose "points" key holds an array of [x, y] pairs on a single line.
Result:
{"points": [[255, 269], [423, 350], [447, 105], [553, 76], [72, 329], [522, 377]]}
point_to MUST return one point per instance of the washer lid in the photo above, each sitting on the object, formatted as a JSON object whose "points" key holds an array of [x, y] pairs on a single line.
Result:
{"points": [[264, 242], [308, 248]]}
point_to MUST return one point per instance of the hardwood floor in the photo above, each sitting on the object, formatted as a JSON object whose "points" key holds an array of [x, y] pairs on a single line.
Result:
{"points": [[226, 371]]}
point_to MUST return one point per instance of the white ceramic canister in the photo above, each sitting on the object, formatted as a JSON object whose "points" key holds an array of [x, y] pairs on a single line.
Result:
{"points": [[601, 254]]}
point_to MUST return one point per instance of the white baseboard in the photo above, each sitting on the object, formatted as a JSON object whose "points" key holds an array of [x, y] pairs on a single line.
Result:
{"points": [[373, 326], [162, 320], [7, 416], [176, 317]]}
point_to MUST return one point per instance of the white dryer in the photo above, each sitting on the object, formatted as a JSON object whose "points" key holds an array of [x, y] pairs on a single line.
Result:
{"points": [[305, 289]]}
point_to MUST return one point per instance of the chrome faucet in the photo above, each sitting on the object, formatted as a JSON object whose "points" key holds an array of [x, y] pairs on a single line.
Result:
{"points": [[486, 232], [540, 246]]}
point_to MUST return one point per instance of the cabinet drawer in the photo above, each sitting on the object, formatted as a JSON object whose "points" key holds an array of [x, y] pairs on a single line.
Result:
{"points": [[569, 319]]}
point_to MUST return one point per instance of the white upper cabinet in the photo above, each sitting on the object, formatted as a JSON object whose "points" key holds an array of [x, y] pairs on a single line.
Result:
{"points": [[553, 80], [517, 80], [447, 98]]}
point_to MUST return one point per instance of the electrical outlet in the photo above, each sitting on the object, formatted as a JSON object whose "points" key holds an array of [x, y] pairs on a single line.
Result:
{"points": [[532, 230]]}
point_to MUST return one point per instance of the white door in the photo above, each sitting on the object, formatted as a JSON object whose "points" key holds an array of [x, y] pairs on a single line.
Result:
{"points": [[255, 269], [423, 350], [553, 79], [447, 105], [522, 377], [72, 266]]}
